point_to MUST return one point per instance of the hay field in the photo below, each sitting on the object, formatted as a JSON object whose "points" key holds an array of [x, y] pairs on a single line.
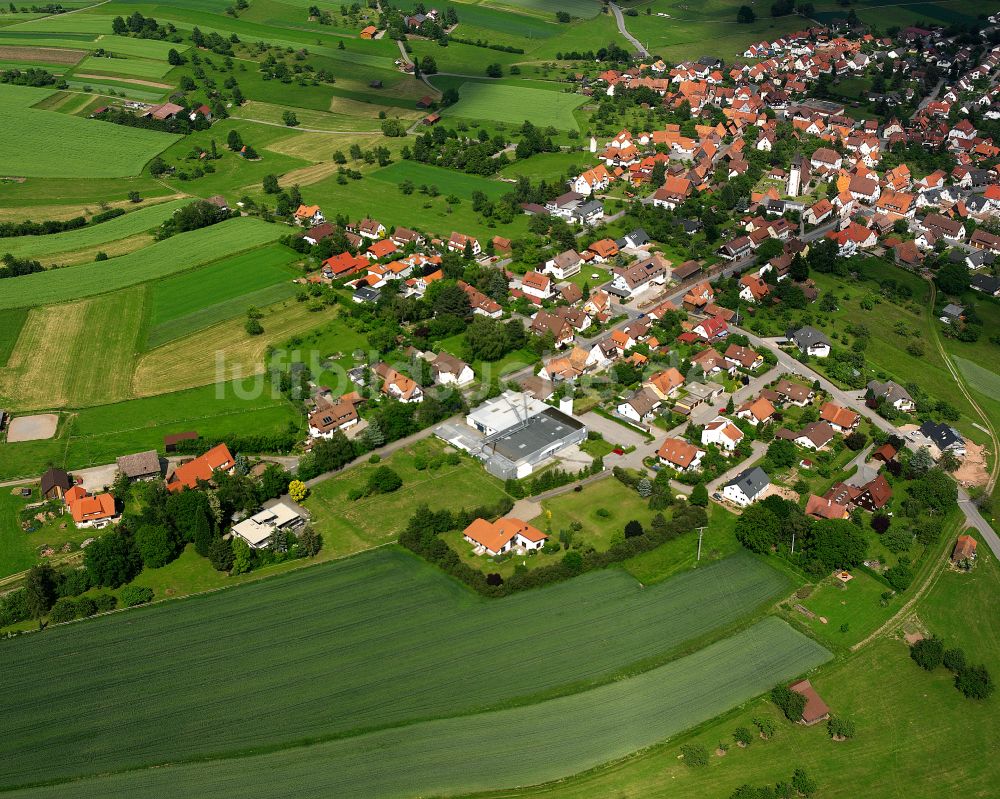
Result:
{"points": [[221, 352], [515, 104], [77, 354]]}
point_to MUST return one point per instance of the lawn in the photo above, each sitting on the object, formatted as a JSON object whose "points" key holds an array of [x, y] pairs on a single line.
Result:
{"points": [[548, 166], [98, 435], [515, 104], [448, 181], [379, 625], [20, 550], [330, 352], [349, 525], [129, 67], [176, 254], [855, 604], [908, 721], [351, 115], [44, 247], [191, 301], [63, 198], [99, 149]]}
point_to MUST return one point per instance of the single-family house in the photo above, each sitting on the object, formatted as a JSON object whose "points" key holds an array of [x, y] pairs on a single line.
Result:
{"points": [[397, 385], [815, 435], [328, 417], [893, 394], [93, 511], [747, 487], [640, 406], [743, 357], [503, 535], [309, 215], [201, 469], [564, 265], [810, 341], [841, 419], [723, 433], [678, 454], [451, 371], [536, 285]]}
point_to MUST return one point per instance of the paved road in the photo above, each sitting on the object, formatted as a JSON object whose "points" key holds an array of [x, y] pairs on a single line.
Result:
{"points": [[620, 19], [758, 447], [854, 399]]}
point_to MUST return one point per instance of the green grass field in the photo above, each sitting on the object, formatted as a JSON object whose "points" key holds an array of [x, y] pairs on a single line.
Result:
{"points": [[352, 525], [176, 254], [380, 624], [515, 104], [11, 322], [98, 435], [448, 181], [42, 247], [908, 721], [129, 67], [192, 300], [510, 747], [59, 145]]}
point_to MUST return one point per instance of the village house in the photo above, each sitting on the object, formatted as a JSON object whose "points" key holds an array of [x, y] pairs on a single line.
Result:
{"points": [[503, 535], [258, 531], [893, 394], [544, 323], [822, 508], [480, 303], [536, 285], [756, 412], [678, 454], [564, 265], [92, 511], [747, 487], [459, 241], [743, 357], [397, 385], [309, 215], [55, 483], [666, 383], [451, 371], [753, 289], [329, 417], [815, 436], [810, 341], [640, 406], [723, 433], [843, 420], [141, 466], [629, 281], [201, 469]]}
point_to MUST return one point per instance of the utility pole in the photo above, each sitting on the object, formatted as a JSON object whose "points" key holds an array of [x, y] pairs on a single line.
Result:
{"points": [[701, 532], [793, 544]]}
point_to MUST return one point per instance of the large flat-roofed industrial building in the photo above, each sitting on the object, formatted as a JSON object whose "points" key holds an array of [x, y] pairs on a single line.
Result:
{"points": [[513, 434], [515, 452]]}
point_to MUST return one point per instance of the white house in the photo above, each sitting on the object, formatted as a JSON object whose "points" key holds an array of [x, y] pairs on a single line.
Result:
{"points": [[564, 265], [723, 433], [258, 529], [503, 535], [450, 371], [640, 406], [747, 487], [537, 285], [810, 341]]}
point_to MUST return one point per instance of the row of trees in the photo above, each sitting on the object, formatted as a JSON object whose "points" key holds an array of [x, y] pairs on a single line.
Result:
{"points": [[973, 680]]}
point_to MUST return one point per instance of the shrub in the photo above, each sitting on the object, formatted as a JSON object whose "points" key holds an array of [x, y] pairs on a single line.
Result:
{"points": [[742, 736], [375, 458], [695, 755], [880, 522], [85, 606], [974, 682], [899, 576], [133, 595], [382, 480], [928, 653], [105, 602], [297, 490], [63, 610], [803, 783], [633, 529]]}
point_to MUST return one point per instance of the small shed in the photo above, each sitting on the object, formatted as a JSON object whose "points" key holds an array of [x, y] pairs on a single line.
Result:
{"points": [[965, 549], [815, 710], [55, 482], [170, 442], [430, 119]]}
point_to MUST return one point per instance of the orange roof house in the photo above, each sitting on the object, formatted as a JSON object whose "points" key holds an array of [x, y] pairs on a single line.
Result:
{"points": [[91, 511], [188, 474], [382, 249], [503, 535], [369, 32], [965, 549], [840, 418], [680, 454]]}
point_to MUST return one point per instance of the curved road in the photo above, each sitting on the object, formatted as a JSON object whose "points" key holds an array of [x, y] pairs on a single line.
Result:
{"points": [[620, 19]]}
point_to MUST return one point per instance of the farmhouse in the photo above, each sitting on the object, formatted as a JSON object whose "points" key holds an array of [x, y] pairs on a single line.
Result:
{"points": [[965, 549], [503, 535], [747, 487], [55, 482], [258, 530], [189, 474], [822, 508], [141, 466], [91, 511]]}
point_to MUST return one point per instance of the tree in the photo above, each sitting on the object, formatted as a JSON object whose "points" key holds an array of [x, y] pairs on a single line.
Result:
{"points": [[781, 452], [699, 496], [766, 726], [633, 529], [953, 278], [790, 702], [289, 118], [112, 560], [202, 533], [310, 542], [695, 755], [39, 589], [745, 15], [234, 141], [757, 528], [253, 327], [644, 487], [174, 58], [242, 557], [428, 65], [742, 736], [573, 561], [975, 682], [920, 462], [297, 490], [220, 554], [134, 197], [270, 184], [840, 728], [383, 480], [954, 660], [802, 782], [494, 71], [936, 490], [837, 544], [155, 544], [928, 653], [856, 441], [899, 576]]}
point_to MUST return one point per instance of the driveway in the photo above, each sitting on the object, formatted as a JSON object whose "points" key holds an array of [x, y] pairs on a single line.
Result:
{"points": [[613, 432]]}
